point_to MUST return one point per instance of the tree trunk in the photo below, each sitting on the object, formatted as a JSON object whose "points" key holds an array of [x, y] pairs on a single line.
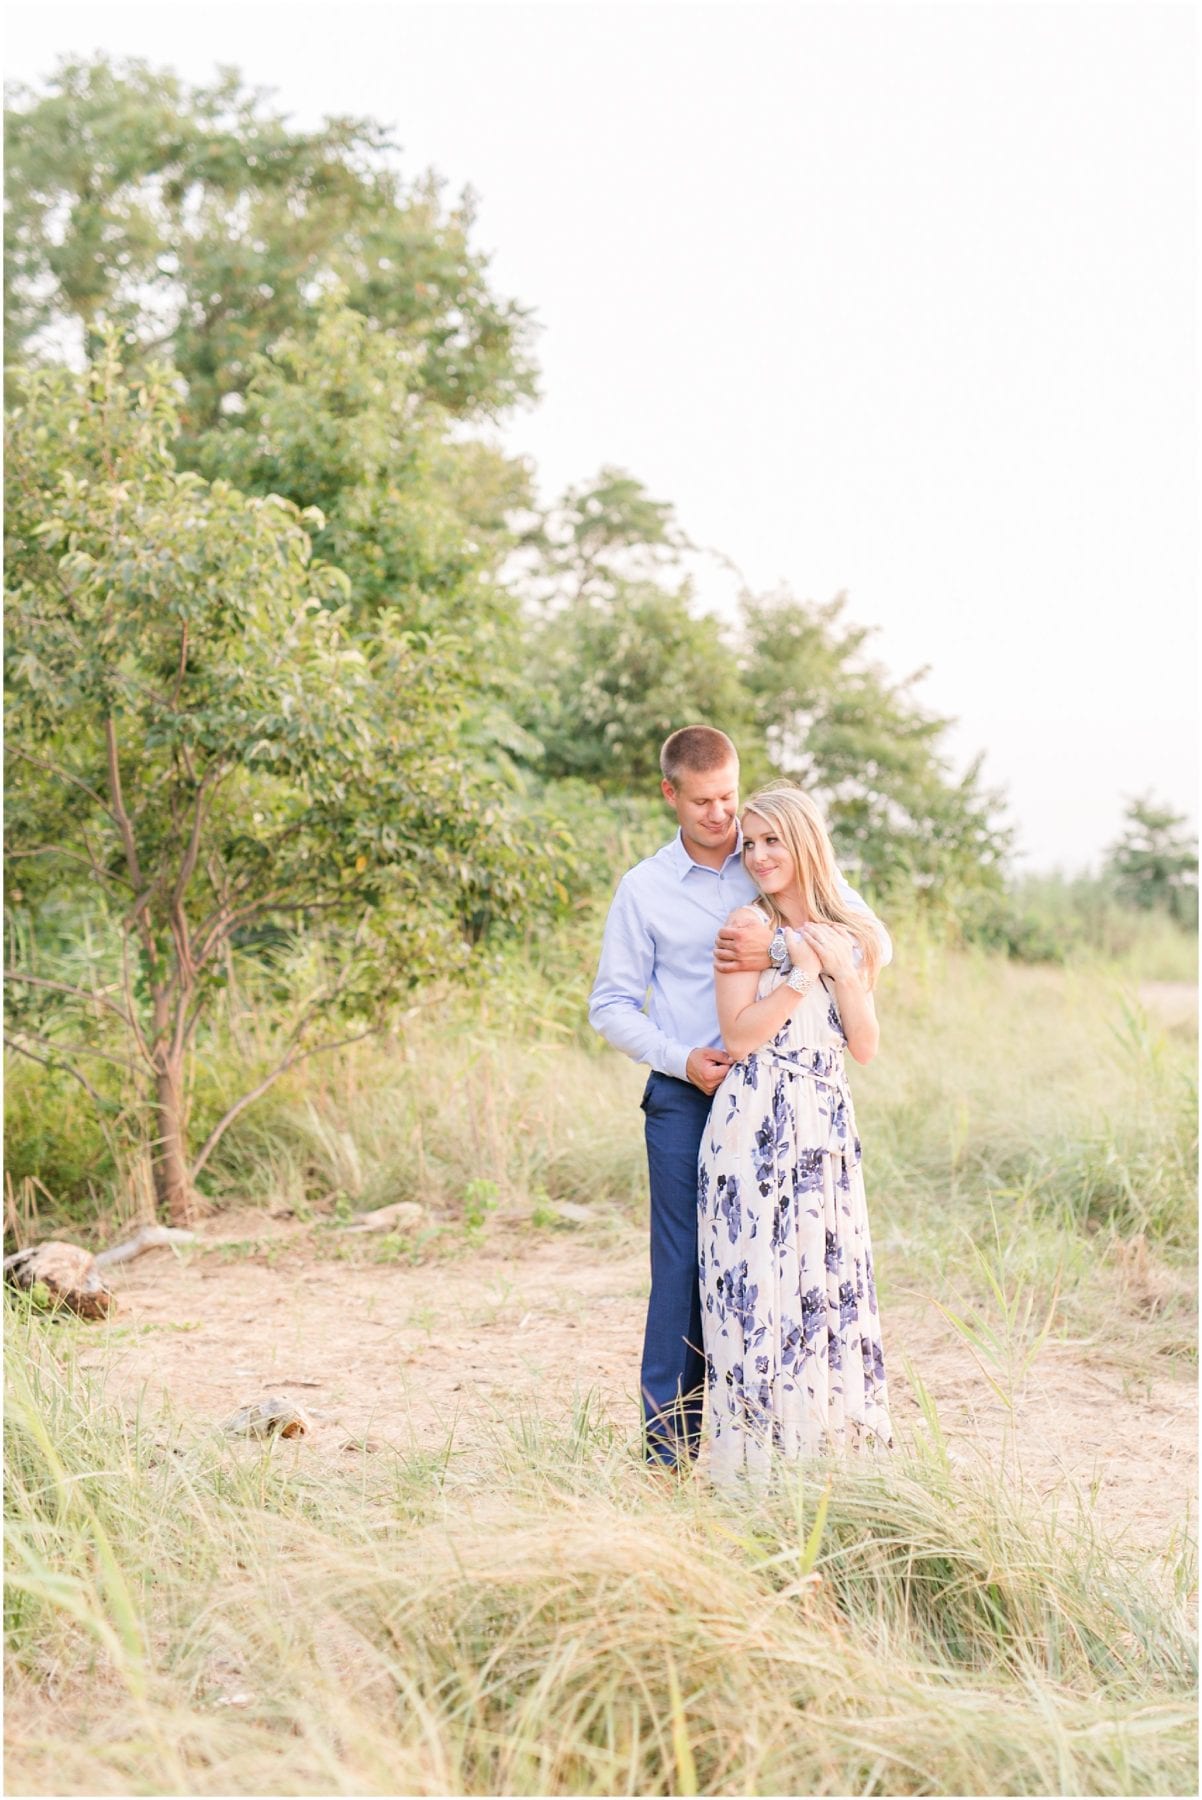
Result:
{"points": [[172, 1189]]}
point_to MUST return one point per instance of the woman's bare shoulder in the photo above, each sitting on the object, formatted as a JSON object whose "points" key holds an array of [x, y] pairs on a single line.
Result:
{"points": [[751, 914]]}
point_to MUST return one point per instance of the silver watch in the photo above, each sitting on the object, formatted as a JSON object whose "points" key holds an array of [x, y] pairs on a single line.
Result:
{"points": [[778, 950], [800, 980]]}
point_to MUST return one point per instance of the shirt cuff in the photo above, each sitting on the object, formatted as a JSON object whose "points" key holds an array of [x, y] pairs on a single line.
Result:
{"points": [[676, 1061]]}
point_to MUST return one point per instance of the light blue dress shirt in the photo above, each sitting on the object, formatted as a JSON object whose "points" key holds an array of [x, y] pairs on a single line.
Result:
{"points": [[654, 993]]}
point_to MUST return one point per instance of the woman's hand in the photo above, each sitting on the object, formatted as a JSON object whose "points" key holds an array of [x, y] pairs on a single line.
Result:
{"points": [[835, 949], [802, 954]]}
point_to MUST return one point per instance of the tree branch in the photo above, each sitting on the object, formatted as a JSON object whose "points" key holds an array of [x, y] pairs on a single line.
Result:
{"points": [[183, 979], [221, 922], [217, 927], [85, 862], [213, 777], [133, 916], [50, 768], [119, 1062], [20, 1049], [294, 1056], [65, 987]]}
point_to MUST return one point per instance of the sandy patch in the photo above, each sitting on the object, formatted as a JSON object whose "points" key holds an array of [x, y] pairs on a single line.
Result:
{"points": [[400, 1355]]}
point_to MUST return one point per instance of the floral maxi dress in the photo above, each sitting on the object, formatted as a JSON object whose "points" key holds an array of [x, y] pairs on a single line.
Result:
{"points": [[793, 1354]]}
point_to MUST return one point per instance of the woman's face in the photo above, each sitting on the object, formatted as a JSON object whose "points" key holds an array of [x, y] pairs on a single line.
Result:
{"points": [[765, 857]]}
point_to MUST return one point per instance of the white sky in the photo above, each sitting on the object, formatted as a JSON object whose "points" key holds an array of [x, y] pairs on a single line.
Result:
{"points": [[898, 299]]}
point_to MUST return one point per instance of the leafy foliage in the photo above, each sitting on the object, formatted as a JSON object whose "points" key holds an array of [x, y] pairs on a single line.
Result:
{"points": [[620, 675], [200, 222], [871, 753], [600, 535], [626, 660], [193, 728], [414, 514], [1155, 862]]}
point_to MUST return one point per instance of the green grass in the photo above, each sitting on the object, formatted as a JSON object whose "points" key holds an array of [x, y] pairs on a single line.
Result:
{"points": [[531, 1615], [1033, 1125], [994, 1080], [522, 1612]]}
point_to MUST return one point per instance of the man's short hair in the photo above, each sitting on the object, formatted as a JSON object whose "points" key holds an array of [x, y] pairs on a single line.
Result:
{"points": [[695, 750]]}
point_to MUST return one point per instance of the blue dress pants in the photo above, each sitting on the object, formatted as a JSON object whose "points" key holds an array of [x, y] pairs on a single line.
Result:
{"points": [[673, 1371]]}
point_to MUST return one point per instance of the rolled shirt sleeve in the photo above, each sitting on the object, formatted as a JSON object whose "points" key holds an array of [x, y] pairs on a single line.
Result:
{"points": [[619, 996]]}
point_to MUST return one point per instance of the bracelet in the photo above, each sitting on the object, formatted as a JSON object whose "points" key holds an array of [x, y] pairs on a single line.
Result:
{"points": [[800, 981]]}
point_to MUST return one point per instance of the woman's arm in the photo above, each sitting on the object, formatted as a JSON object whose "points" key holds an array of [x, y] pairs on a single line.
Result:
{"points": [[857, 1009], [747, 1023]]}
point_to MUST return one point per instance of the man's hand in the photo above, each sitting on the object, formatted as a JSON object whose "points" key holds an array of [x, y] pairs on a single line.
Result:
{"points": [[743, 947], [706, 1069]]}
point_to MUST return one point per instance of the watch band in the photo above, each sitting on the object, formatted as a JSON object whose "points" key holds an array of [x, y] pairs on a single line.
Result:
{"points": [[778, 949]]}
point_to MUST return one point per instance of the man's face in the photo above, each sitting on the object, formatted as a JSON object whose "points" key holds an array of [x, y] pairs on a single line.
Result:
{"points": [[706, 806]]}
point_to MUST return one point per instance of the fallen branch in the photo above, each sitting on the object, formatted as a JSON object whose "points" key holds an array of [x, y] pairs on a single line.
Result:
{"points": [[385, 1218], [150, 1237]]}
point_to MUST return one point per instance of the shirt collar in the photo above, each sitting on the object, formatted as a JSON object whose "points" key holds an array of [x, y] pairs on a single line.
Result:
{"points": [[682, 862]]}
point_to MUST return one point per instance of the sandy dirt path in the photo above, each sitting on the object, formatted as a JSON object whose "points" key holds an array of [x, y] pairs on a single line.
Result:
{"points": [[395, 1356]]}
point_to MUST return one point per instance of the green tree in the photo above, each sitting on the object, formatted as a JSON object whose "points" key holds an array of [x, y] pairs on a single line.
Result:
{"points": [[416, 514], [1154, 864], [617, 654], [619, 676], [598, 536], [194, 732], [623, 658], [198, 221], [870, 752]]}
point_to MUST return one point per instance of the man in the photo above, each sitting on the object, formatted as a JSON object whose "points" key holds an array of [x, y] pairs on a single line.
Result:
{"points": [[659, 953]]}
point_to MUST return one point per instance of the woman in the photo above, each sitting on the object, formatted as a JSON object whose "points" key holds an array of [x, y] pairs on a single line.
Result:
{"points": [[792, 1338]]}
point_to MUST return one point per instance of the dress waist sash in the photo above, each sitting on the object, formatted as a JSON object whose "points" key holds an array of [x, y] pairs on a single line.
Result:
{"points": [[841, 1135], [833, 1074]]}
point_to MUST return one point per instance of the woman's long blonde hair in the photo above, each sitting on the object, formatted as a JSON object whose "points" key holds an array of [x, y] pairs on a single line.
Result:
{"points": [[801, 828]]}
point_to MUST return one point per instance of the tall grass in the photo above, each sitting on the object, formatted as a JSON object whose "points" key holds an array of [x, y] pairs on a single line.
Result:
{"points": [[187, 1614], [526, 1613], [993, 1079], [1036, 1122], [1080, 921], [1049, 1094]]}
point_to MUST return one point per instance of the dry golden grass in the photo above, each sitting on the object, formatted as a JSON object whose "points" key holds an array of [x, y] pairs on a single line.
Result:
{"points": [[187, 1615], [191, 1615]]}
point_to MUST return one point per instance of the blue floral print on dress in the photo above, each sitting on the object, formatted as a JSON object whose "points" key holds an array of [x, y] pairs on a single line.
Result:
{"points": [[792, 1289]]}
